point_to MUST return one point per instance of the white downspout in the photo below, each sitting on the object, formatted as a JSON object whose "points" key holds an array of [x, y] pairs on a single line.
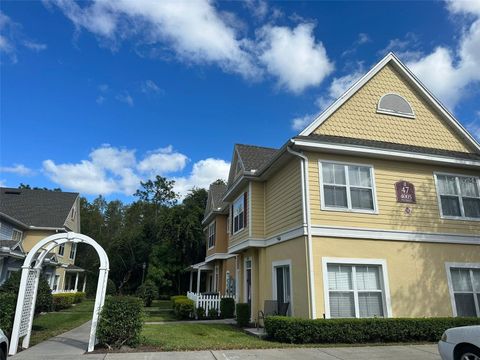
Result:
{"points": [[307, 219]]}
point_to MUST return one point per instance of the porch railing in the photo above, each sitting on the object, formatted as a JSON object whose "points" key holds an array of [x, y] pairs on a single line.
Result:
{"points": [[206, 302], [64, 291]]}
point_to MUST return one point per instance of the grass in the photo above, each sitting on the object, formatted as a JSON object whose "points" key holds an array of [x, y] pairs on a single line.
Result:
{"points": [[161, 310], [183, 337], [55, 323]]}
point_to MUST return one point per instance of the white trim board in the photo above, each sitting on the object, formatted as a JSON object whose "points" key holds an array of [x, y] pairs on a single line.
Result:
{"points": [[394, 235], [448, 266], [355, 261], [281, 237], [391, 58], [218, 256]]}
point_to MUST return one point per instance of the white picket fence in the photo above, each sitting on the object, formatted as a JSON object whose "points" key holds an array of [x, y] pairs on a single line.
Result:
{"points": [[206, 302]]}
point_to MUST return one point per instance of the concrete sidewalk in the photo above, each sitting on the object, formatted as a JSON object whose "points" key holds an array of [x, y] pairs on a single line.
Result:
{"points": [[73, 344]]}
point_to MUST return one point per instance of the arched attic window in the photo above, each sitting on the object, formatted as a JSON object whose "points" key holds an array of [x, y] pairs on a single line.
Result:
{"points": [[393, 104]]}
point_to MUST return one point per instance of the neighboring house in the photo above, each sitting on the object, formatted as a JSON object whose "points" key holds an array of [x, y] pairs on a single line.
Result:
{"points": [[28, 216], [372, 210]]}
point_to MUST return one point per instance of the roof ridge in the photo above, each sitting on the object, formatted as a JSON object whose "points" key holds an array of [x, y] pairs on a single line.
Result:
{"points": [[257, 146]]}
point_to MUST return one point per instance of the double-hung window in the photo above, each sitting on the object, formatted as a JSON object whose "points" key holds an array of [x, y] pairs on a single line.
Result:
{"points": [[73, 251], [347, 187], [211, 235], [465, 289], [459, 196], [17, 235], [239, 214], [61, 249], [355, 290]]}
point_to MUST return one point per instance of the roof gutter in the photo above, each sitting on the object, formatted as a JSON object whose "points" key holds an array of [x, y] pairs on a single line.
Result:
{"points": [[307, 221]]}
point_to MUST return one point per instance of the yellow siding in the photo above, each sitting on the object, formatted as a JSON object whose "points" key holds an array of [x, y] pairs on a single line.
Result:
{"points": [[283, 200], [416, 271], [257, 199], [357, 118], [221, 236], [425, 216]]}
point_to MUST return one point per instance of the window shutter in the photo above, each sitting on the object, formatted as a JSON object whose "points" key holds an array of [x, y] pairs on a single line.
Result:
{"points": [[245, 208]]}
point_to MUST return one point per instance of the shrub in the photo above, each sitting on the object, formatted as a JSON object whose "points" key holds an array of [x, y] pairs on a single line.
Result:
{"points": [[121, 321], [111, 288], [243, 314], [183, 308], [176, 297], [63, 301], [8, 302], [79, 297], [12, 284], [44, 301], [227, 308], [147, 292], [200, 311], [321, 331], [213, 313]]}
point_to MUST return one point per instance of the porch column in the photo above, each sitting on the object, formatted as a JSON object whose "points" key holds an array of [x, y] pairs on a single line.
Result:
{"points": [[191, 281], [76, 282], [198, 280], [84, 282]]}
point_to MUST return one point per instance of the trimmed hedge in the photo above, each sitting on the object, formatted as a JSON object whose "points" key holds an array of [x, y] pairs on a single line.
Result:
{"points": [[44, 297], [148, 292], [8, 303], [63, 301], [121, 321], [183, 308], [227, 308], [243, 314], [79, 297], [349, 331]]}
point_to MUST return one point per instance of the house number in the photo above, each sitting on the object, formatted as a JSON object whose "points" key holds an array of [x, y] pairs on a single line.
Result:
{"points": [[405, 192]]}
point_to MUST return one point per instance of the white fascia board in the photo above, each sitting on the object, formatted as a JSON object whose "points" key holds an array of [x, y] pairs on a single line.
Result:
{"points": [[218, 256], [384, 153], [412, 78], [393, 235]]}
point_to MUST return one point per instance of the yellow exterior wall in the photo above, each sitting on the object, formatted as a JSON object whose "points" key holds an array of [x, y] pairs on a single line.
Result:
{"points": [[283, 200], [221, 236], [257, 200], [416, 271], [357, 118], [425, 216]]}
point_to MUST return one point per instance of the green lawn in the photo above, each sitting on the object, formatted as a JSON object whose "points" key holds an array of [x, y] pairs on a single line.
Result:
{"points": [[173, 337], [161, 310], [55, 323]]}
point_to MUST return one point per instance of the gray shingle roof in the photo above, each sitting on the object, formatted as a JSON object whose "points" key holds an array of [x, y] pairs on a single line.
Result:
{"points": [[41, 208], [215, 195], [8, 243], [390, 146], [254, 157]]}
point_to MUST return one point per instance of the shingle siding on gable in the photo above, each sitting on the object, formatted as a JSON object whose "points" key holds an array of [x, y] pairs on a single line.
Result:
{"points": [[357, 118]]}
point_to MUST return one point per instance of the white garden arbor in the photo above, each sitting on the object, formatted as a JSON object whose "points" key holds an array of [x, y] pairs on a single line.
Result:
{"points": [[27, 295]]}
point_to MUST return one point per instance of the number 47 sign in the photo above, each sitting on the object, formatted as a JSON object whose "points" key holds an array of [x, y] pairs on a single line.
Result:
{"points": [[405, 192]]}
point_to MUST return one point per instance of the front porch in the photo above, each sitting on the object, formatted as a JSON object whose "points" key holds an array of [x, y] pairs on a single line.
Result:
{"points": [[75, 279], [196, 271]]}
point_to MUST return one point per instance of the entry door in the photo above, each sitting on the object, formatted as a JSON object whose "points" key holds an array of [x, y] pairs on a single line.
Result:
{"points": [[248, 281], [283, 284]]}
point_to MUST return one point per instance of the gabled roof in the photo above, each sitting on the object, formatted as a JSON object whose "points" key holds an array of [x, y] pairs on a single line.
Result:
{"points": [[36, 208], [414, 81], [11, 244], [253, 157], [214, 200]]}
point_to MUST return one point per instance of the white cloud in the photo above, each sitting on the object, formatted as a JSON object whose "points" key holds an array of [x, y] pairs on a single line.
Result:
{"points": [[32, 45], [163, 161], [17, 169], [203, 173], [150, 87], [294, 56], [301, 122], [110, 170], [126, 98], [459, 66]]}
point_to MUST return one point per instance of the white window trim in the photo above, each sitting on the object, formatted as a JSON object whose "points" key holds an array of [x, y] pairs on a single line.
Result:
{"points": [[347, 184], [58, 251], [352, 261], [390, 112], [439, 200], [242, 198], [214, 225], [448, 266], [279, 263]]}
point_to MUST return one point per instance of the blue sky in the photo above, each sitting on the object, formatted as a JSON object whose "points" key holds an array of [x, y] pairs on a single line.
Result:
{"points": [[96, 96]]}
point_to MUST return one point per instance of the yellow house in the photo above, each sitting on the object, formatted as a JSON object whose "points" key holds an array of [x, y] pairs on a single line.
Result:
{"points": [[28, 216], [372, 210]]}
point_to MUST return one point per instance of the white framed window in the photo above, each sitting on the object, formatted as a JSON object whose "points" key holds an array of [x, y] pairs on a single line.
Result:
{"points": [[282, 283], [458, 196], [17, 235], [347, 187], [239, 214], [61, 250], [211, 234], [464, 288], [73, 213], [356, 288], [73, 251]]}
